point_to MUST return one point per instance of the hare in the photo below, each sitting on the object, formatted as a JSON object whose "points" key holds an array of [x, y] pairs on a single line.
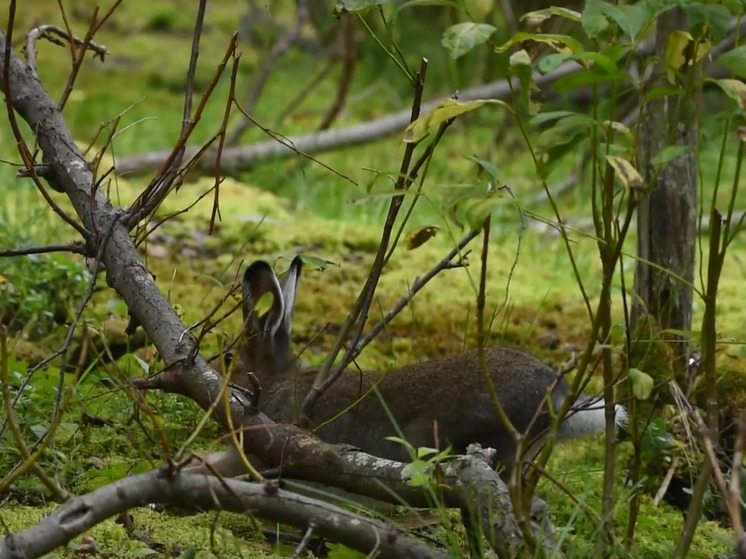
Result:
{"points": [[442, 401]]}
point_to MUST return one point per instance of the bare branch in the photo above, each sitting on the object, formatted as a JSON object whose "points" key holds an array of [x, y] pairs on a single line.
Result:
{"points": [[286, 40], [75, 248], [349, 62], [163, 182], [51, 34], [243, 157], [189, 490], [417, 285]]}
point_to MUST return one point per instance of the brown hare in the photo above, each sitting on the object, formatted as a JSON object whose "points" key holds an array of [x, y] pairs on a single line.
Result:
{"points": [[443, 400]]}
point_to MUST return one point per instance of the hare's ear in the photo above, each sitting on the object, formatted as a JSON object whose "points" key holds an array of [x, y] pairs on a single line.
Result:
{"points": [[289, 286], [258, 279]]}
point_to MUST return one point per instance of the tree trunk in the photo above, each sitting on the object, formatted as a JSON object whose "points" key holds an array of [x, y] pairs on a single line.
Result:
{"points": [[667, 218]]}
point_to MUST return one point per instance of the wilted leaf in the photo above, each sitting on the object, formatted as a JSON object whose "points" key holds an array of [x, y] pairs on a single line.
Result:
{"points": [[642, 384], [735, 89], [462, 37], [344, 6], [678, 51], [625, 171], [419, 237], [448, 109], [561, 43], [539, 16]]}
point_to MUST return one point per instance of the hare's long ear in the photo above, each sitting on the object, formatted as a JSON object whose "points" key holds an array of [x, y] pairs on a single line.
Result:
{"points": [[258, 279], [289, 287]]}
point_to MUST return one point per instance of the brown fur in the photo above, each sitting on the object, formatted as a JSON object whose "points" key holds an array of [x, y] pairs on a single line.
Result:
{"points": [[439, 402]]}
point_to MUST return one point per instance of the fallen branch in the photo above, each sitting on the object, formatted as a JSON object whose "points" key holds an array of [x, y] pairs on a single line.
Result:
{"points": [[243, 157], [189, 490]]}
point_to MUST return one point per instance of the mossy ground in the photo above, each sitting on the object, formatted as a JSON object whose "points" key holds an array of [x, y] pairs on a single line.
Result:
{"points": [[274, 211]]}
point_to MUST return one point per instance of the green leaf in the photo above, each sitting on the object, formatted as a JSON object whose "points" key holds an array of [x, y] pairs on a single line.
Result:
{"points": [[551, 62], [462, 37], [418, 473], [735, 89], [344, 6], [319, 264], [593, 20], [537, 17], [488, 167], [446, 110], [424, 452], [735, 61], [668, 154], [642, 384], [583, 78], [632, 19], [565, 130], [709, 20]]}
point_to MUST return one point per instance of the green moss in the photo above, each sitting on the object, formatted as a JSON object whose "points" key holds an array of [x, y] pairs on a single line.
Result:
{"points": [[577, 465], [162, 533]]}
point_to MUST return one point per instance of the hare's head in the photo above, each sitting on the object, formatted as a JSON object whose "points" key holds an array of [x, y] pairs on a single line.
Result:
{"points": [[266, 348]]}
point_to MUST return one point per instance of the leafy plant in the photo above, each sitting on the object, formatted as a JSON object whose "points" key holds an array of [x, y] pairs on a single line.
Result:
{"points": [[38, 291]]}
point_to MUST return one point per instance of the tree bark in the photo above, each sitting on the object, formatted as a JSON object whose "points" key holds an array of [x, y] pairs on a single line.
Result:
{"points": [[667, 218]]}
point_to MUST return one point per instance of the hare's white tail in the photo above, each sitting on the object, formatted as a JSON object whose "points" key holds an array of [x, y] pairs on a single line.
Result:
{"points": [[587, 418]]}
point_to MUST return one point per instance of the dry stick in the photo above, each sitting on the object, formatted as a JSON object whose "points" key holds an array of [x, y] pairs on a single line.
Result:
{"points": [[215, 213], [82, 513], [62, 351], [79, 313], [23, 150], [142, 236], [734, 494], [323, 378], [514, 489], [348, 70], [47, 32], [268, 63], [709, 341], [78, 59], [75, 248], [417, 285], [288, 143], [388, 249], [303, 544], [161, 185], [241, 157], [296, 101], [607, 249]]}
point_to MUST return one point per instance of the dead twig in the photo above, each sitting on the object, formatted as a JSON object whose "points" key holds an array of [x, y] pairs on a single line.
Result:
{"points": [[163, 182], [221, 143], [75, 248], [285, 41], [420, 282], [324, 377], [349, 63], [55, 35]]}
